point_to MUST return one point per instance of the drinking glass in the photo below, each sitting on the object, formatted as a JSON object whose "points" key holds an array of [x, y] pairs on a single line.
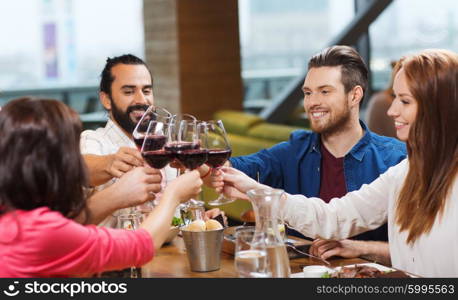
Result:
{"points": [[188, 151], [190, 148], [174, 144], [130, 221], [191, 211], [151, 114], [153, 149], [219, 151], [251, 260]]}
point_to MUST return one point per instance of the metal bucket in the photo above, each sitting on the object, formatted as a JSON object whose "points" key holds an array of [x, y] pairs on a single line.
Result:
{"points": [[203, 249]]}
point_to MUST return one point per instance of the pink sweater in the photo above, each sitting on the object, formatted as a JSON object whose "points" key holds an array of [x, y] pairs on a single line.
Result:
{"points": [[43, 243]]}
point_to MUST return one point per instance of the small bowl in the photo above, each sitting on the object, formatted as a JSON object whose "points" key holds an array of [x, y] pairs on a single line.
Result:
{"points": [[315, 271], [172, 234]]}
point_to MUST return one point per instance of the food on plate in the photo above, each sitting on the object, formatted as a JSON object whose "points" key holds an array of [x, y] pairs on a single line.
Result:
{"points": [[356, 271]]}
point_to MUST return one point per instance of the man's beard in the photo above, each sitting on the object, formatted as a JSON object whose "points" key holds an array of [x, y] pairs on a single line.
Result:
{"points": [[123, 118], [335, 124]]}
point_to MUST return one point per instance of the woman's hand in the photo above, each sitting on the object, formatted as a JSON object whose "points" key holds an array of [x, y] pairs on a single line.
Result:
{"points": [[233, 183], [344, 248], [184, 187], [137, 186]]}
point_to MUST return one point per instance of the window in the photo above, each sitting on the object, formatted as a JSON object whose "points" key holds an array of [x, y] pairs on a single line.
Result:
{"points": [[50, 44], [279, 37], [408, 26]]}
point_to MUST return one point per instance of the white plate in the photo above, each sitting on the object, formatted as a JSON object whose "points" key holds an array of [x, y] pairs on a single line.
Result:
{"points": [[374, 265], [381, 268]]}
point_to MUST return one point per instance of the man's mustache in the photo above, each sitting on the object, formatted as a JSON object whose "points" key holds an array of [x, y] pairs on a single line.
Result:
{"points": [[132, 108]]}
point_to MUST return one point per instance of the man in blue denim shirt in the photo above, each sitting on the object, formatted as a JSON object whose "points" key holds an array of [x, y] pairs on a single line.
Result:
{"points": [[340, 154]]}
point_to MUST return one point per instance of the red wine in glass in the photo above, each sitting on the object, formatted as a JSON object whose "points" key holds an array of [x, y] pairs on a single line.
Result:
{"points": [[217, 157], [157, 159], [176, 147], [154, 142], [219, 151], [139, 142], [192, 159]]}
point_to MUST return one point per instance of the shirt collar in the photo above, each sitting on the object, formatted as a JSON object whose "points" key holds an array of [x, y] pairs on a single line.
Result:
{"points": [[357, 151], [117, 134], [315, 142]]}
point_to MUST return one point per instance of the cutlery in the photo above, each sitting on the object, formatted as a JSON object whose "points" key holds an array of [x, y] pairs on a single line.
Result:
{"points": [[291, 245]]}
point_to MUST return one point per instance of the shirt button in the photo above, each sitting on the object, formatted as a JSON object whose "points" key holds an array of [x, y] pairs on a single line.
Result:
{"points": [[318, 169]]}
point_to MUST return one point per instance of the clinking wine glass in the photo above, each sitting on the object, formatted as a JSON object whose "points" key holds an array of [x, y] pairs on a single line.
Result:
{"points": [[153, 150], [190, 149], [153, 113], [174, 143], [191, 154], [219, 151]]}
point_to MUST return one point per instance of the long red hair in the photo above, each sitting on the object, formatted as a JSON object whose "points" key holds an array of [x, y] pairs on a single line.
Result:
{"points": [[432, 78]]}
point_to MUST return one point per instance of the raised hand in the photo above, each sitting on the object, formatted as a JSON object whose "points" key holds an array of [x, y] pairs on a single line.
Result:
{"points": [[123, 161], [184, 187], [137, 186], [233, 183]]}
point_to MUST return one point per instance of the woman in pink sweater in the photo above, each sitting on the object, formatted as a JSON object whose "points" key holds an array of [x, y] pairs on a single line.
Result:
{"points": [[42, 192]]}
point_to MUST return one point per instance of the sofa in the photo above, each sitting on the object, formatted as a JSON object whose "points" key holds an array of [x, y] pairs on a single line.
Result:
{"points": [[247, 134]]}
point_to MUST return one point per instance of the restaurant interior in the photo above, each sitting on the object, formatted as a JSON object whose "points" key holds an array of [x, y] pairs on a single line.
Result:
{"points": [[241, 63]]}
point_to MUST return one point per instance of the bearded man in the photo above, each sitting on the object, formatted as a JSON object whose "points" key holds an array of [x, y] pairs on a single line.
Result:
{"points": [[340, 154], [126, 92]]}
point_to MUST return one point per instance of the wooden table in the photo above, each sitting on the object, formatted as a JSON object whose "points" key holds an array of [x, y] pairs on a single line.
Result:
{"points": [[171, 262]]}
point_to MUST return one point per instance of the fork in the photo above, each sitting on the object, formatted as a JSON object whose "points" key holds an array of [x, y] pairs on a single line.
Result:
{"points": [[289, 244]]}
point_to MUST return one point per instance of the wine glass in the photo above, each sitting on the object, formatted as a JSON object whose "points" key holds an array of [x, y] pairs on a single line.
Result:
{"points": [[161, 114], [174, 144], [154, 152], [250, 256], [188, 151], [219, 151], [153, 113]]}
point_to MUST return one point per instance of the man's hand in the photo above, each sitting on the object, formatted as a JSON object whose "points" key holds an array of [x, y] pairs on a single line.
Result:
{"points": [[344, 248], [123, 161]]}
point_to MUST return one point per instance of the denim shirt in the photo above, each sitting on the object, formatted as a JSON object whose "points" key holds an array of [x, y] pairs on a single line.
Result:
{"points": [[294, 166]]}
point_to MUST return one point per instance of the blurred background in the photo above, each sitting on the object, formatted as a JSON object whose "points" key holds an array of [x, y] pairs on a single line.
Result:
{"points": [[207, 55]]}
